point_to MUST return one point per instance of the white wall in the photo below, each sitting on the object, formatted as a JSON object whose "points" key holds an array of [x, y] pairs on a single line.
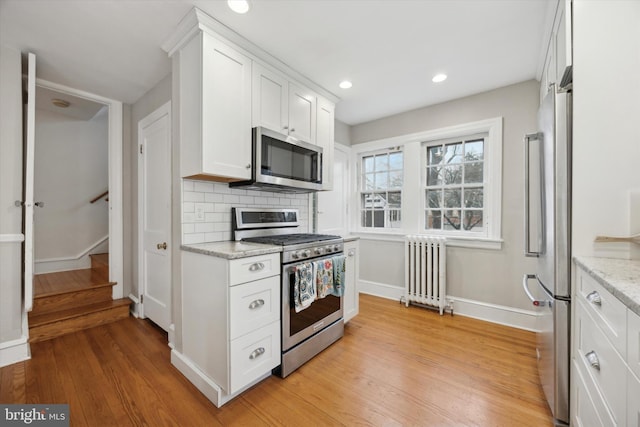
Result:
{"points": [[482, 275], [71, 168], [10, 191], [606, 144]]}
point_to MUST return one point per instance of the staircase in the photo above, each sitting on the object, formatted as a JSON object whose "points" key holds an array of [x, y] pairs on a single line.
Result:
{"points": [[69, 301]]}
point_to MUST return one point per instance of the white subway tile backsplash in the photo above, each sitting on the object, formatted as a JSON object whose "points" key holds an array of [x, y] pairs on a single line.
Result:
{"points": [[217, 199]]}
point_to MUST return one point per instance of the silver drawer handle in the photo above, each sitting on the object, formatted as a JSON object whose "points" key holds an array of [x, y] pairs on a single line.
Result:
{"points": [[256, 266], [594, 298], [592, 358], [256, 303], [256, 353]]}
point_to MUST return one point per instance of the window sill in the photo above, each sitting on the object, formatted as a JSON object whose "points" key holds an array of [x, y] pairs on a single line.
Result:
{"points": [[458, 242]]}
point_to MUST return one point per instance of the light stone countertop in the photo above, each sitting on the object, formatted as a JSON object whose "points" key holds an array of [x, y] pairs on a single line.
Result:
{"points": [[350, 238], [621, 277], [231, 249]]}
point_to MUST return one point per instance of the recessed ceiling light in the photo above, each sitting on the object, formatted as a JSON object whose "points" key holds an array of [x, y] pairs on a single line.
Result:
{"points": [[238, 6], [346, 84], [60, 103], [439, 78]]}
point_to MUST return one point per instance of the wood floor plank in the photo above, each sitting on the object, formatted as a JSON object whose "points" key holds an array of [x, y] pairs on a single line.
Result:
{"points": [[395, 366]]}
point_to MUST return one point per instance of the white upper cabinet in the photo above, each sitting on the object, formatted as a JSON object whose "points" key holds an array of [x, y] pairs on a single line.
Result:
{"points": [[215, 110], [559, 47], [325, 138], [282, 105]]}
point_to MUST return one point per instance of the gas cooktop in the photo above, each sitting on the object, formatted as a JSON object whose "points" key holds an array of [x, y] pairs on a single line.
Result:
{"points": [[291, 239]]}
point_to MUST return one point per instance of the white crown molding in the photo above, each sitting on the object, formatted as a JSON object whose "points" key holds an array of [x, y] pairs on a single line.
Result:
{"points": [[196, 20]]}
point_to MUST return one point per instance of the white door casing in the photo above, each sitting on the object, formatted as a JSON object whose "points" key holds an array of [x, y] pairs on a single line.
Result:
{"points": [[28, 182], [154, 216]]}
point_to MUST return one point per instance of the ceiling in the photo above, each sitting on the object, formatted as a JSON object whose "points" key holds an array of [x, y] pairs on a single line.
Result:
{"points": [[389, 49]]}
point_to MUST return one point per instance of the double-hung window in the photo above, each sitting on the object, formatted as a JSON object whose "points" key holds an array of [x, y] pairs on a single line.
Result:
{"points": [[454, 185], [381, 189]]}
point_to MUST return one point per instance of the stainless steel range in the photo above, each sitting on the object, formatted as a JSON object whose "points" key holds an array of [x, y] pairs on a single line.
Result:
{"points": [[307, 332]]}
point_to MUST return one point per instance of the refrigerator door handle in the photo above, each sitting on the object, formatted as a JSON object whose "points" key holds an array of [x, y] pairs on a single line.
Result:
{"points": [[525, 286], [527, 218]]}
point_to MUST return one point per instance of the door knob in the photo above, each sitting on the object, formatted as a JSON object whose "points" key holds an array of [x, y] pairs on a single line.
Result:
{"points": [[162, 245], [39, 204]]}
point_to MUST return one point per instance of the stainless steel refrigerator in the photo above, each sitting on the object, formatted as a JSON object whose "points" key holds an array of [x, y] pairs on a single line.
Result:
{"points": [[548, 238]]}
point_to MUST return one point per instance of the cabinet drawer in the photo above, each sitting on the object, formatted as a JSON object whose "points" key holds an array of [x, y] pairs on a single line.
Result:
{"points": [[592, 348], [254, 355], [609, 312], [586, 402], [633, 343], [633, 401], [253, 268], [253, 305]]}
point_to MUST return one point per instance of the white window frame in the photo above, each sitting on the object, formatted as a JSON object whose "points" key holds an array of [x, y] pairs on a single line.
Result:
{"points": [[413, 207], [361, 191]]}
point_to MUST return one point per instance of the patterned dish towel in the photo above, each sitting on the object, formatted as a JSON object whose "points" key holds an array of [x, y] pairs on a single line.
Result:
{"points": [[324, 278], [338, 275], [304, 291]]}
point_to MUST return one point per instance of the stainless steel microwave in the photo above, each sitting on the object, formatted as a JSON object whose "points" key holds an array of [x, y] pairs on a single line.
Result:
{"points": [[283, 164]]}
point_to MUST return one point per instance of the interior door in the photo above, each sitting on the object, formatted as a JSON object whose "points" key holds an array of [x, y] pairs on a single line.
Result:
{"points": [[29, 164], [332, 205], [154, 189]]}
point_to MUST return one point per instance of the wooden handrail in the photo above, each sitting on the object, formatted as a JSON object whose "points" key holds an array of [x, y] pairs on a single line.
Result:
{"points": [[95, 199]]}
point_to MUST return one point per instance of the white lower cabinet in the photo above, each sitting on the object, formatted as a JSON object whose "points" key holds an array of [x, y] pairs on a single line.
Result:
{"points": [[605, 387], [230, 321], [352, 273]]}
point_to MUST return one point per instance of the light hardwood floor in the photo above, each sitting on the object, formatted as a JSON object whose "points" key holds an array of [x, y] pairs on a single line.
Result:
{"points": [[394, 366]]}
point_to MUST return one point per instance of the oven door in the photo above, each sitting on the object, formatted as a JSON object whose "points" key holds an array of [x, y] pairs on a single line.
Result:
{"points": [[296, 327]]}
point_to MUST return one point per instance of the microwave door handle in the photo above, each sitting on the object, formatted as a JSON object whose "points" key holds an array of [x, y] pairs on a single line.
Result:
{"points": [[527, 195]]}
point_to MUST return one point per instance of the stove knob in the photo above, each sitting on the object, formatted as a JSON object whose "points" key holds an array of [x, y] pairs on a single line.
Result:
{"points": [[336, 247], [328, 249], [306, 253], [318, 251], [294, 255]]}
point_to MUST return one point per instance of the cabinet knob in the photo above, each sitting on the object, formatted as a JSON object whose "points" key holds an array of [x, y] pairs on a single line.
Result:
{"points": [[248, 166], [592, 358], [594, 298], [256, 266], [285, 127], [256, 303], [293, 130]]}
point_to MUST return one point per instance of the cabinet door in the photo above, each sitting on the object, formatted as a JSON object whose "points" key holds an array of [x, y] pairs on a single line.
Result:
{"points": [[325, 139], [226, 111], [633, 401], [254, 355], [351, 302], [302, 113], [270, 101]]}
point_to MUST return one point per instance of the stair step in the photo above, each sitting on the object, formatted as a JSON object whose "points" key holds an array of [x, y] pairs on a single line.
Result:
{"points": [[67, 300], [49, 284], [99, 260], [54, 324]]}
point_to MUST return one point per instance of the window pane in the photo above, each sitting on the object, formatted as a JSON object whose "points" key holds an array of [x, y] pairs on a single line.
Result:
{"points": [[434, 155], [373, 201], [395, 161], [452, 198], [382, 162], [381, 180], [473, 172], [433, 220], [451, 219], [395, 179], [367, 182], [394, 199], [473, 198], [473, 220], [453, 153], [474, 150], [366, 219], [367, 164], [453, 174], [433, 198], [394, 218], [434, 176]]}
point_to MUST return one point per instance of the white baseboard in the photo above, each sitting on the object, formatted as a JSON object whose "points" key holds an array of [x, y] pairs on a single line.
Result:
{"points": [[80, 261], [500, 314], [135, 307], [14, 351]]}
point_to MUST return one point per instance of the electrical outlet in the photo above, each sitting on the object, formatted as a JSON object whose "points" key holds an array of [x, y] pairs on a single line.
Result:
{"points": [[199, 212]]}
